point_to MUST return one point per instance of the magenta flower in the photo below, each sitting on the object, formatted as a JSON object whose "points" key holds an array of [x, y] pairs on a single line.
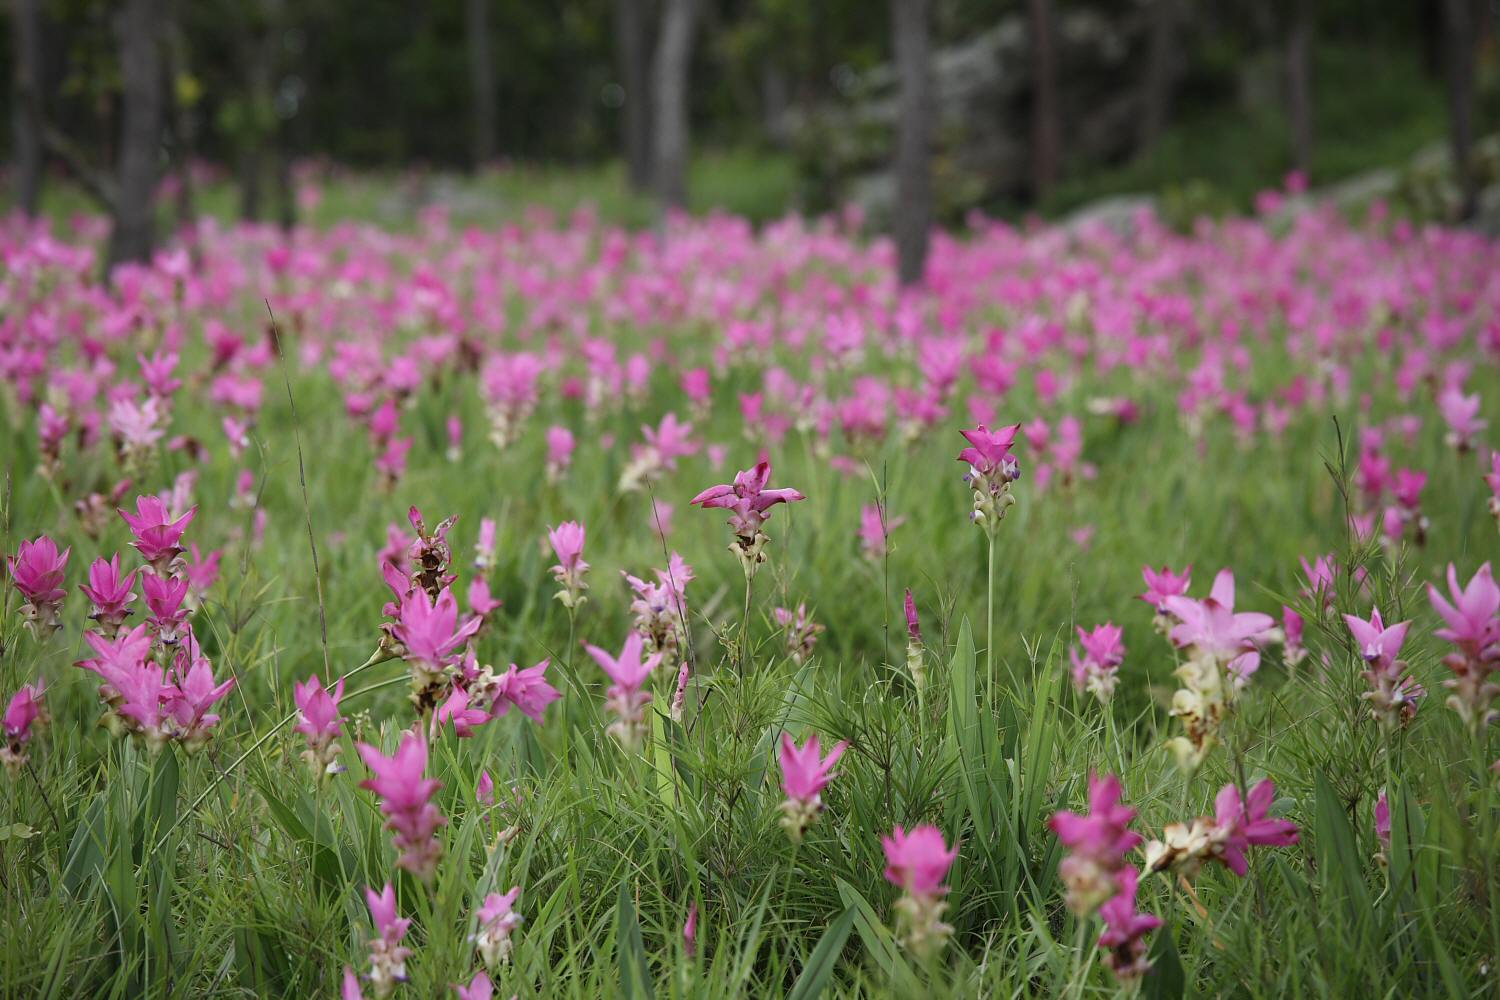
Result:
{"points": [[202, 572], [1164, 583], [559, 452], [157, 535], [1211, 626], [918, 862], [625, 697], [1242, 825], [496, 920], [1461, 414], [660, 608], [1098, 668], [1473, 627], [387, 955], [1378, 645], [1383, 820], [567, 541], [479, 988], [111, 593], [191, 694], [1321, 575], [749, 502], [1292, 625], [38, 570], [406, 801], [875, 528], [164, 597], [913, 626], [430, 631], [1097, 843], [690, 930], [527, 690], [319, 720], [484, 546], [23, 715], [1125, 929], [804, 775], [350, 990], [992, 469]]}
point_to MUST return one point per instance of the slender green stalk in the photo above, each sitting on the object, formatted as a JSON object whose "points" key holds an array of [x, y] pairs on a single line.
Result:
{"points": [[989, 624]]}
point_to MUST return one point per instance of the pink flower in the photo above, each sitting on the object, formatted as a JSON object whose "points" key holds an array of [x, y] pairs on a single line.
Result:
{"points": [[804, 775], [496, 918], [38, 570], [1163, 584], [1211, 625], [1103, 652], [918, 862], [319, 721], [1292, 628], [191, 694], [913, 626], [1098, 843], [1470, 618], [1383, 819], [527, 690], [479, 988], [989, 451], [156, 534], [567, 541], [26, 710], [1126, 928], [1461, 414], [690, 930], [164, 597], [484, 792], [350, 989], [625, 697], [480, 602], [202, 572], [484, 546], [406, 801], [748, 499], [1321, 575], [1377, 644], [1243, 825], [111, 593], [387, 955], [559, 452], [875, 528], [801, 632], [430, 631]]}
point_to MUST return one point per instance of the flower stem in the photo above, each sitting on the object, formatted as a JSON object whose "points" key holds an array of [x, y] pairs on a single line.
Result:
{"points": [[989, 623]]}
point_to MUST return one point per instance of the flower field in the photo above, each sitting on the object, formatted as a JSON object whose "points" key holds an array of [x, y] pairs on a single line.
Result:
{"points": [[557, 610]]}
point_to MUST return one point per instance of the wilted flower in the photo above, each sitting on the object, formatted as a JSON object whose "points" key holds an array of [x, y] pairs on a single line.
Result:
{"points": [[800, 632], [1235, 827]]}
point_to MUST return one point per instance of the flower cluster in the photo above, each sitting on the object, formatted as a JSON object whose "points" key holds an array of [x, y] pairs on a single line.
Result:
{"points": [[1097, 845], [319, 720], [37, 569]]}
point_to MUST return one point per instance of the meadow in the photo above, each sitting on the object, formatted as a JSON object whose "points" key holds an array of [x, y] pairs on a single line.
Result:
{"points": [[371, 489]]}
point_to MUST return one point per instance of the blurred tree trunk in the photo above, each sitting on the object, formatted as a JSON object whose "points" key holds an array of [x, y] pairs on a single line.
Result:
{"points": [[1460, 32], [633, 49], [481, 79], [181, 126], [913, 216], [1299, 85], [776, 99], [1161, 73], [1046, 141], [26, 117], [674, 56], [137, 27]]}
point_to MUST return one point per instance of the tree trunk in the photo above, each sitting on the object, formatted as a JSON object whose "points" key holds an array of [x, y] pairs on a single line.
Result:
{"points": [[1161, 72], [1459, 15], [482, 80], [181, 122], [1046, 141], [633, 49], [1299, 86], [913, 216], [674, 53], [136, 27], [776, 100], [26, 117]]}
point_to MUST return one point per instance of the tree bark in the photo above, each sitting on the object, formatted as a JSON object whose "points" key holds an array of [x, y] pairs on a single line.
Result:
{"points": [[674, 53], [182, 128], [1299, 85], [1046, 140], [26, 117], [913, 215], [633, 49], [1161, 72], [137, 29], [1460, 34], [482, 80]]}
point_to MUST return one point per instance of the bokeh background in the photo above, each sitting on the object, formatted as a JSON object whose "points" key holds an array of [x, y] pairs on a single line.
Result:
{"points": [[254, 108]]}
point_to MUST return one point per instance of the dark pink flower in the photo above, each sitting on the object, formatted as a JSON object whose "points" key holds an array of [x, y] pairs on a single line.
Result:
{"points": [[1164, 583], [1243, 825], [157, 535], [406, 800], [1211, 625], [1125, 929], [918, 862], [748, 499], [111, 593]]}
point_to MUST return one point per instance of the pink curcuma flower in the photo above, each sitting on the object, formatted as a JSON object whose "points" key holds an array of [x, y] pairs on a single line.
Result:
{"points": [[431, 634], [164, 598], [1163, 584], [1211, 626], [191, 694], [484, 546], [1292, 626], [38, 570], [111, 593], [1125, 929], [1461, 414], [560, 446], [157, 534], [804, 775], [527, 690], [1225, 837], [625, 697], [406, 801], [479, 988], [660, 608], [918, 862], [875, 529], [1378, 644], [567, 542], [1320, 575], [319, 720], [749, 502], [690, 930], [992, 470], [1097, 669], [496, 920], [1383, 820], [387, 955], [1097, 842], [1472, 626], [26, 712], [800, 631], [349, 990]]}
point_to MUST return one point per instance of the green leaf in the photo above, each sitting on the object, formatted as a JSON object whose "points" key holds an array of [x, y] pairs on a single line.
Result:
{"points": [[635, 974], [1336, 852], [1166, 980], [86, 852], [824, 959], [17, 831]]}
